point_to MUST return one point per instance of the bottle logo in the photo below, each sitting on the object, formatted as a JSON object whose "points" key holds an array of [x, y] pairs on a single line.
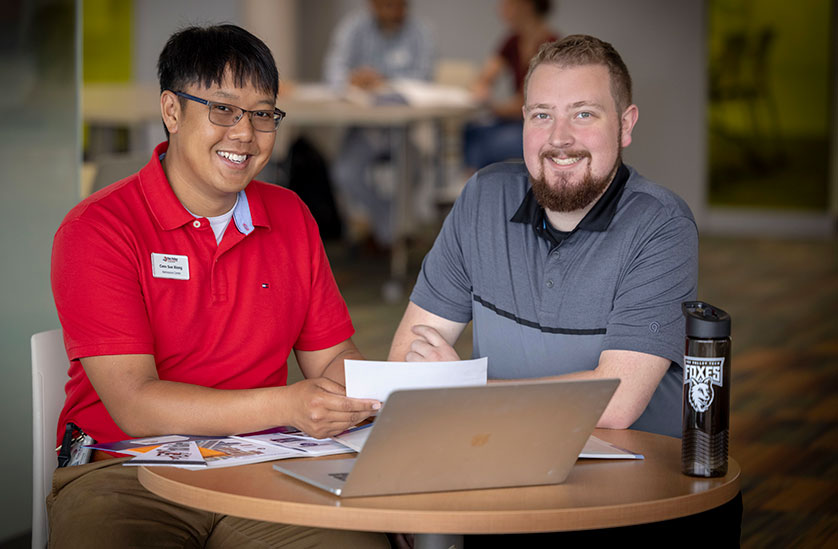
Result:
{"points": [[701, 374]]}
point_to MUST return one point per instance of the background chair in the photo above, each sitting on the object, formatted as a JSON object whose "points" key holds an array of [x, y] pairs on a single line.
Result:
{"points": [[49, 375], [105, 169]]}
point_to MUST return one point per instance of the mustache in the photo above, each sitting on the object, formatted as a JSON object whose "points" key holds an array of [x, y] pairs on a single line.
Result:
{"points": [[547, 153]]}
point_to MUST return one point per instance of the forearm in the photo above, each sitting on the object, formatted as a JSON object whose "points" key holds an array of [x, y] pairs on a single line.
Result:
{"points": [[335, 369], [162, 407], [327, 363], [141, 404], [617, 414], [623, 409], [401, 340], [639, 375], [425, 337], [483, 83]]}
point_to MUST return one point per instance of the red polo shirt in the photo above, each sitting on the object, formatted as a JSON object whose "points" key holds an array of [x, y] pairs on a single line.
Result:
{"points": [[134, 273]]}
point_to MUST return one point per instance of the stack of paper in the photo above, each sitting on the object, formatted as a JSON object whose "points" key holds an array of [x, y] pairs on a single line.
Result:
{"points": [[420, 93], [201, 451], [416, 93], [174, 453]]}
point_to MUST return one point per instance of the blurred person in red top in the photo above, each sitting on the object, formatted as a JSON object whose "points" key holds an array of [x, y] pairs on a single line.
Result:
{"points": [[497, 137]]}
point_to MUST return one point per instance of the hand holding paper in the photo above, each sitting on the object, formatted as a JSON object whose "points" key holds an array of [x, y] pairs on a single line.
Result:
{"points": [[318, 407]]}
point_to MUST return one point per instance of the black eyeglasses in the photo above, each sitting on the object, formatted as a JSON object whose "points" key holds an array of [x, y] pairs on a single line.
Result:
{"points": [[222, 114]]}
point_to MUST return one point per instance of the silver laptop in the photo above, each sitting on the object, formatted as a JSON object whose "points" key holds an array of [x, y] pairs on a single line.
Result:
{"points": [[462, 438]]}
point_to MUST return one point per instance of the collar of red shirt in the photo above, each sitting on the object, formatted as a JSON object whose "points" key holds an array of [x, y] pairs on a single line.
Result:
{"points": [[167, 210]]}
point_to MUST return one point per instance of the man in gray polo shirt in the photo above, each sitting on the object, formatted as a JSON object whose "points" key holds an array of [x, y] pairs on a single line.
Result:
{"points": [[571, 265]]}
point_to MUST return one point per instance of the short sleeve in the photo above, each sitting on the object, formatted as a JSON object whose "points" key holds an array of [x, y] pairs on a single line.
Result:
{"points": [[646, 316], [444, 286], [97, 292]]}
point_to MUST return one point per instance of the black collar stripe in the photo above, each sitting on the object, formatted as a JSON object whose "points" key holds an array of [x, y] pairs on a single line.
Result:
{"points": [[598, 219]]}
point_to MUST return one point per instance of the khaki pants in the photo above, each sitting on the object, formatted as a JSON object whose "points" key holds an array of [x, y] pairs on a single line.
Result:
{"points": [[102, 504]]}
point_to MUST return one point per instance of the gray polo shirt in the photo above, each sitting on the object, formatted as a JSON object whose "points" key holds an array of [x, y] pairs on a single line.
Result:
{"points": [[540, 308]]}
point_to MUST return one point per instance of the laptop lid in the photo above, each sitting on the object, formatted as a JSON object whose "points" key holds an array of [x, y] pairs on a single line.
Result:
{"points": [[461, 438]]}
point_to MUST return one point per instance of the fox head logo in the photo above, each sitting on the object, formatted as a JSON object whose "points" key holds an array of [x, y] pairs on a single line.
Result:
{"points": [[701, 395]]}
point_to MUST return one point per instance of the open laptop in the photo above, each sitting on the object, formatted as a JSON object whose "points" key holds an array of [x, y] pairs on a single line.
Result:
{"points": [[461, 438]]}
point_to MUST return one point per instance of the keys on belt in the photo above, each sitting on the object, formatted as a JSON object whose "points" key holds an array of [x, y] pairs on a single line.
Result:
{"points": [[72, 448]]}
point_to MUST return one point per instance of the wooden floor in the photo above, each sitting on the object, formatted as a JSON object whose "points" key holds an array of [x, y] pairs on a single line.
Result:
{"points": [[783, 299]]}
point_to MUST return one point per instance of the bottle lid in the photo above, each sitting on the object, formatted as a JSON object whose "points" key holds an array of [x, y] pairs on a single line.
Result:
{"points": [[705, 321]]}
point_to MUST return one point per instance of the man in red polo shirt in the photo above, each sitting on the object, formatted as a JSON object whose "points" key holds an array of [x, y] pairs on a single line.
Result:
{"points": [[181, 291]]}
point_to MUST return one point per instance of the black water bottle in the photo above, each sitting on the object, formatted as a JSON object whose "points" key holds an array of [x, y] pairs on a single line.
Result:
{"points": [[706, 404]]}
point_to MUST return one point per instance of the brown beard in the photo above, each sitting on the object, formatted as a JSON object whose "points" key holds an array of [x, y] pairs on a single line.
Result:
{"points": [[567, 197]]}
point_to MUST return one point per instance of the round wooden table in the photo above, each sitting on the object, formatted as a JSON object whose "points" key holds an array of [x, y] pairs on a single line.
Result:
{"points": [[596, 494]]}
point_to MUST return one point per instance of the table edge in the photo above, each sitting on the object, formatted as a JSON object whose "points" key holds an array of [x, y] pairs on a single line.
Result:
{"points": [[443, 521]]}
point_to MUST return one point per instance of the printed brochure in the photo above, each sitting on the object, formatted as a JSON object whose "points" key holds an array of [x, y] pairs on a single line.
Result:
{"points": [[201, 452]]}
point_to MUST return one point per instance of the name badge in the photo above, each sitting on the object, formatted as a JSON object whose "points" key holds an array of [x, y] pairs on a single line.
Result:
{"points": [[170, 266]]}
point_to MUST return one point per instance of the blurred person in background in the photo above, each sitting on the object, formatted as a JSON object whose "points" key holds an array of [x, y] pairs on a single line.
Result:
{"points": [[368, 49], [498, 137]]}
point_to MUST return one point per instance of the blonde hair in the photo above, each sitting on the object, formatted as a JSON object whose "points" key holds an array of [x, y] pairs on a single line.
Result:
{"points": [[579, 50]]}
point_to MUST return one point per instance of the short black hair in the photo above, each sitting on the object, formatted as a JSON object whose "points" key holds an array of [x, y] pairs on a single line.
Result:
{"points": [[203, 54]]}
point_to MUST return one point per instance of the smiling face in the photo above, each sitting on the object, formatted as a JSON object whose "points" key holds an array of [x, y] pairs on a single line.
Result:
{"points": [[206, 164], [573, 134]]}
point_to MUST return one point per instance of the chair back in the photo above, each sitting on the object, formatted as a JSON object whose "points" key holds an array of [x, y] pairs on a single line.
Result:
{"points": [[49, 375]]}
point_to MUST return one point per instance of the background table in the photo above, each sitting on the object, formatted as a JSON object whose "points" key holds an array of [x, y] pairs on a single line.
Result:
{"points": [[596, 494], [400, 120]]}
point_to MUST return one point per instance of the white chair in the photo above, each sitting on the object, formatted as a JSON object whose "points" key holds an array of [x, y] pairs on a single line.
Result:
{"points": [[49, 375]]}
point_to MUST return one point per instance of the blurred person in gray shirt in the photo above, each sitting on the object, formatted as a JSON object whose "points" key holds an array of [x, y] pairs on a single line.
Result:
{"points": [[368, 49]]}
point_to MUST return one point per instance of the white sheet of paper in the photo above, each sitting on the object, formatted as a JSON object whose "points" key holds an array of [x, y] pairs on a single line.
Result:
{"points": [[158, 440], [355, 437], [596, 448], [377, 379]]}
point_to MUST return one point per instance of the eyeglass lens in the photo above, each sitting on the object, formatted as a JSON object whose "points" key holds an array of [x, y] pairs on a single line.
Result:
{"points": [[229, 115]]}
